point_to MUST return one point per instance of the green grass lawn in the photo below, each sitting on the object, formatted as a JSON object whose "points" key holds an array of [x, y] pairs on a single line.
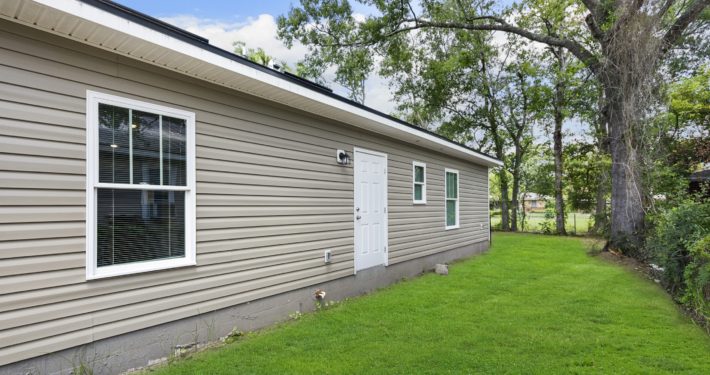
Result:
{"points": [[575, 222], [532, 305]]}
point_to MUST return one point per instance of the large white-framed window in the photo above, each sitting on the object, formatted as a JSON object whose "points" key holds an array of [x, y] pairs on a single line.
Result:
{"points": [[451, 197], [140, 186], [418, 182]]}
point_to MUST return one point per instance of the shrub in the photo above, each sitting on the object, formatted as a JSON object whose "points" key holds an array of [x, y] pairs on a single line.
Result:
{"points": [[697, 278], [680, 242]]}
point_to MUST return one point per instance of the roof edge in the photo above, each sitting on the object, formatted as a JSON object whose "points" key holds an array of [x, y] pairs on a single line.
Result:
{"points": [[184, 36]]}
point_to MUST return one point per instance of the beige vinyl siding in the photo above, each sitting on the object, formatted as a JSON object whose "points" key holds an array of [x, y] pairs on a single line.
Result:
{"points": [[270, 199]]}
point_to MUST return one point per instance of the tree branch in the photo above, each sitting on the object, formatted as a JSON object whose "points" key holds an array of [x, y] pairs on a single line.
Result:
{"points": [[574, 47], [597, 33], [676, 30]]}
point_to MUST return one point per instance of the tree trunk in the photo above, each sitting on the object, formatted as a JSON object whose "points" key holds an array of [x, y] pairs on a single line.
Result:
{"points": [[600, 211], [504, 209], [557, 140], [558, 106], [627, 211], [515, 194]]}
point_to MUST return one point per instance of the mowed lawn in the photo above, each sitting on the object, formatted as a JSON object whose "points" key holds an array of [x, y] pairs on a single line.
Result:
{"points": [[532, 305]]}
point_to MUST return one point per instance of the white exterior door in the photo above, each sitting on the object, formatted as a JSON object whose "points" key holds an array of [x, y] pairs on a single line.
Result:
{"points": [[370, 209]]}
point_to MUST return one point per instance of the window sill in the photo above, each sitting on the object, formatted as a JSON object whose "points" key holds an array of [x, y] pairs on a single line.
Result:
{"points": [[418, 202], [137, 268], [452, 227]]}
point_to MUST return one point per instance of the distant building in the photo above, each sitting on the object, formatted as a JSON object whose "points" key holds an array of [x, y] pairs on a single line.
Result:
{"points": [[534, 202]]}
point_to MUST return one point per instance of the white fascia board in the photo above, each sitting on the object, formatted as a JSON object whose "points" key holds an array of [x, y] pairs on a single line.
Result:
{"points": [[119, 24]]}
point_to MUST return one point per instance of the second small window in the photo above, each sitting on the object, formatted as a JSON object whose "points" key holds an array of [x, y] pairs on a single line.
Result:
{"points": [[419, 182]]}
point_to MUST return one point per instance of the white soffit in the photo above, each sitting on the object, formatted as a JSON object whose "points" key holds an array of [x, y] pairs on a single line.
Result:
{"points": [[90, 25]]}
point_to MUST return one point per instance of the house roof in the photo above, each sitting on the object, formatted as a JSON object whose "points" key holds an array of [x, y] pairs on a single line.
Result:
{"points": [[119, 29]]}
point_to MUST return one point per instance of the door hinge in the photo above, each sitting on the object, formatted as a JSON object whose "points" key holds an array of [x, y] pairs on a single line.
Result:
{"points": [[385, 249], [385, 209]]}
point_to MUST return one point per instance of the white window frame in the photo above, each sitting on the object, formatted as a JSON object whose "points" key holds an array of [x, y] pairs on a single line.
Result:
{"points": [[92, 183], [416, 164], [458, 198]]}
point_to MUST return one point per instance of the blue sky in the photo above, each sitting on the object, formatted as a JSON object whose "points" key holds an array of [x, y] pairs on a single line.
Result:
{"points": [[253, 22], [225, 10]]}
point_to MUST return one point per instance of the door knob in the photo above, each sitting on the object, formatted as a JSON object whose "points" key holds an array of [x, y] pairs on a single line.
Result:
{"points": [[358, 217]]}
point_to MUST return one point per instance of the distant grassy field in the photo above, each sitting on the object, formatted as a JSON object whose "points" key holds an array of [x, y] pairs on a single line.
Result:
{"points": [[575, 222], [533, 304]]}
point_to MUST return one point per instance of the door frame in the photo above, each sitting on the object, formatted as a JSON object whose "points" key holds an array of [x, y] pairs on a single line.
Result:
{"points": [[386, 253]]}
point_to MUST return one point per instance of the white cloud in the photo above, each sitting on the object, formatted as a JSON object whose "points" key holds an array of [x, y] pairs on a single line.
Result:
{"points": [[261, 32]]}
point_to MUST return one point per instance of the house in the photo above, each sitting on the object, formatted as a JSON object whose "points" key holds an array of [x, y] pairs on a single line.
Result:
{"points": [[158, 192], [534, 202]]}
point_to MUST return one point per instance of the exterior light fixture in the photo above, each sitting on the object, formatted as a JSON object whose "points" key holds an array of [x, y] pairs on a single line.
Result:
{"points": [[342, 157]]}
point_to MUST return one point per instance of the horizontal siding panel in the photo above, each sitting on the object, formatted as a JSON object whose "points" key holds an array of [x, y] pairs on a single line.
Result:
{"points": [[50, 181], [18, 128], [29, 113], [251, 221], [231, 128], [34, 231], [221, 177], [245, 200], [262, 170], [233, 233], [247, 243], [256, 191], [51, 246], [241, 211], [27, 146], [45, 164], [209, 153], [231, 144], [29, 197], [40, 98], [21, 283], [35, 214], [18, 266]]}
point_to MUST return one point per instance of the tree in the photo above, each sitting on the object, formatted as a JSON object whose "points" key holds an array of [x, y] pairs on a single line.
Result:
{"points": [[260, 56], [689, 100], [477, 94], [630, 39]]}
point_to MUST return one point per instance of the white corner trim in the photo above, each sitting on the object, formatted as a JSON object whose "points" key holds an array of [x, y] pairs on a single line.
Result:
{"points": [[119, 24], [92, 183]]}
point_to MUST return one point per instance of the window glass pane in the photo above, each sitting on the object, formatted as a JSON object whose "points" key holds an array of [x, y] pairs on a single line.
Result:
{"points": [[113, 144], [450, 212], [418, 174], [174, 152], [146, 148], [451, 185], [418, 192], [139, 225]]}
